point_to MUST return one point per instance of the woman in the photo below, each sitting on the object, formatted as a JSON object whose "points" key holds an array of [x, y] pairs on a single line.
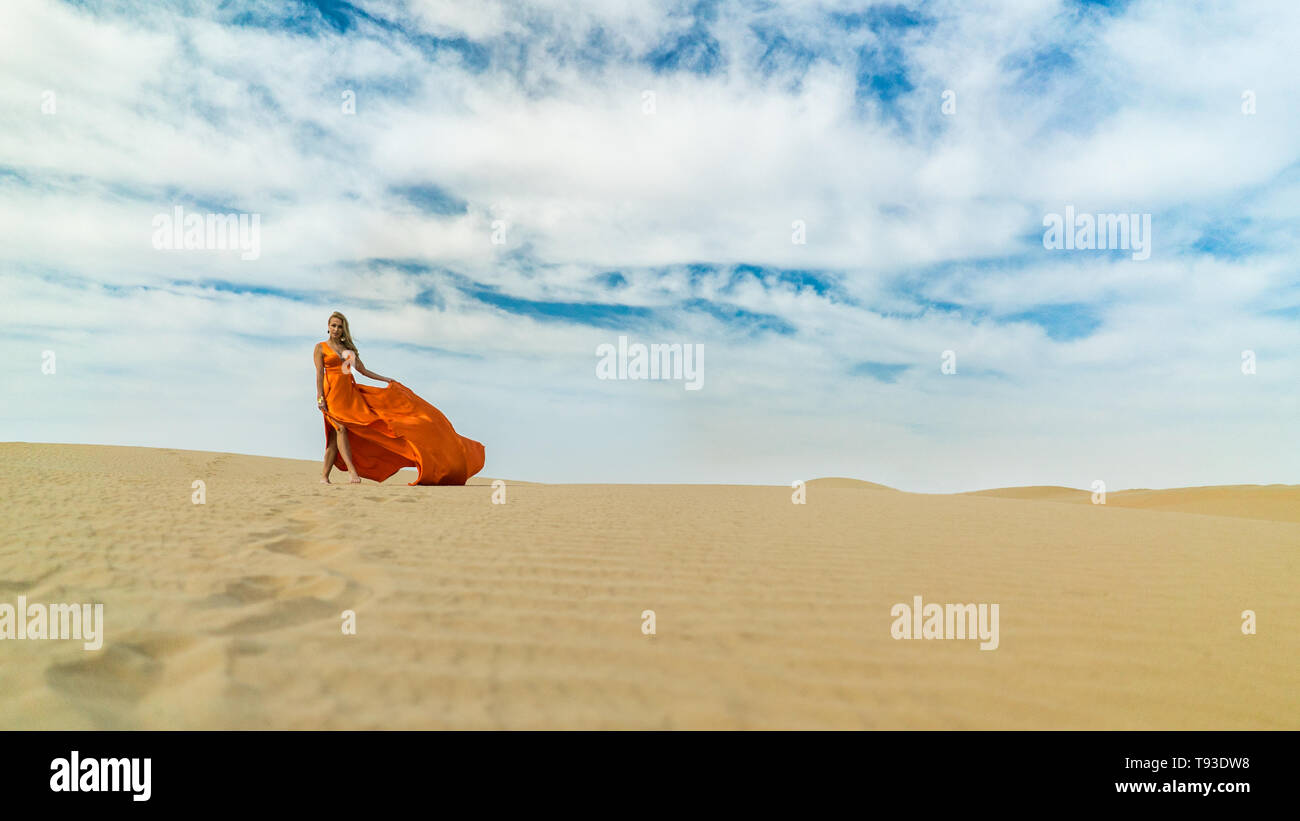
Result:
{"points": [[379, 431]]}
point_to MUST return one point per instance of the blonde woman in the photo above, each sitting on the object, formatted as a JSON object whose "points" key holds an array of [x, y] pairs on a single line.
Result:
{"points": [[374, 432]]}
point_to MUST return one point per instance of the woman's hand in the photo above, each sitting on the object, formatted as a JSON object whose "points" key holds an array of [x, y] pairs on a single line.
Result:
{"points": [[320, 403]]}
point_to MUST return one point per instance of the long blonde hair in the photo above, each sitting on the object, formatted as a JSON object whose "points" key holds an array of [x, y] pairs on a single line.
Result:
{"points": [[346, 338]]}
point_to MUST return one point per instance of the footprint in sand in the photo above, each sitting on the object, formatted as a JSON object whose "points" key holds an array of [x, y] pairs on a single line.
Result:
{"points": [[123, 672], [296, 600], [283, 615], [248, 590]]}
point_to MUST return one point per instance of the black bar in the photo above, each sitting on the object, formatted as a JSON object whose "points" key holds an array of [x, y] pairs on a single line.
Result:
{"points": [[329, 771]]}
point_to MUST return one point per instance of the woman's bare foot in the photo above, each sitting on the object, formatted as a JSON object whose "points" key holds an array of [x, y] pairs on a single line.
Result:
{"points": [[324, 480], [355, 480]]}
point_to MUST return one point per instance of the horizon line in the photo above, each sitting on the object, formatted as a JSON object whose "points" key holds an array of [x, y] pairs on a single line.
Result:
{"points": [[878, 485]]}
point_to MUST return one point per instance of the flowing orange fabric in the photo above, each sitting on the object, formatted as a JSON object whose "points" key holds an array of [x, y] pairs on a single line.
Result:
{"points": [[391, 428]]}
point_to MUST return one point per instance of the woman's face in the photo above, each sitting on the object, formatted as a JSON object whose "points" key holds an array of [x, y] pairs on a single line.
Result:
{"points": [[336, 327]]}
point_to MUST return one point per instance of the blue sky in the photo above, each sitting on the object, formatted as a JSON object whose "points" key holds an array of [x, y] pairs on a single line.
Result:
{"points": [[669, 222]]}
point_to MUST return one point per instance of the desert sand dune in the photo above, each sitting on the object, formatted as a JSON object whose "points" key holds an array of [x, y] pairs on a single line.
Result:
{"points": [[529, 614], [841, 483], [1278, 503], [1041, 493]]}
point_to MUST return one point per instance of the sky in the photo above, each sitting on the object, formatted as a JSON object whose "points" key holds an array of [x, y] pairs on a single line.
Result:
{"points": [[835, 200]]}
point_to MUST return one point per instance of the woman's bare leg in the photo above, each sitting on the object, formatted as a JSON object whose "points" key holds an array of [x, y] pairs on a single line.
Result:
{"points": [[331, 451], [346, 450]]}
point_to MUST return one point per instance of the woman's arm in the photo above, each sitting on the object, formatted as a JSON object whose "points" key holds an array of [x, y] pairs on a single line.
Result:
{"points": [[320, 377], [361, 369]]}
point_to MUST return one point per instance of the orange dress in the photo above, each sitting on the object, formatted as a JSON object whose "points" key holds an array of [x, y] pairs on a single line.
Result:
{"points": [[391, 428]]}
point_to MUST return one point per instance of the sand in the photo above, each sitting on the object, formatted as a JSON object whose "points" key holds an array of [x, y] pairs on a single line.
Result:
{"points": [[528, 614]]}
